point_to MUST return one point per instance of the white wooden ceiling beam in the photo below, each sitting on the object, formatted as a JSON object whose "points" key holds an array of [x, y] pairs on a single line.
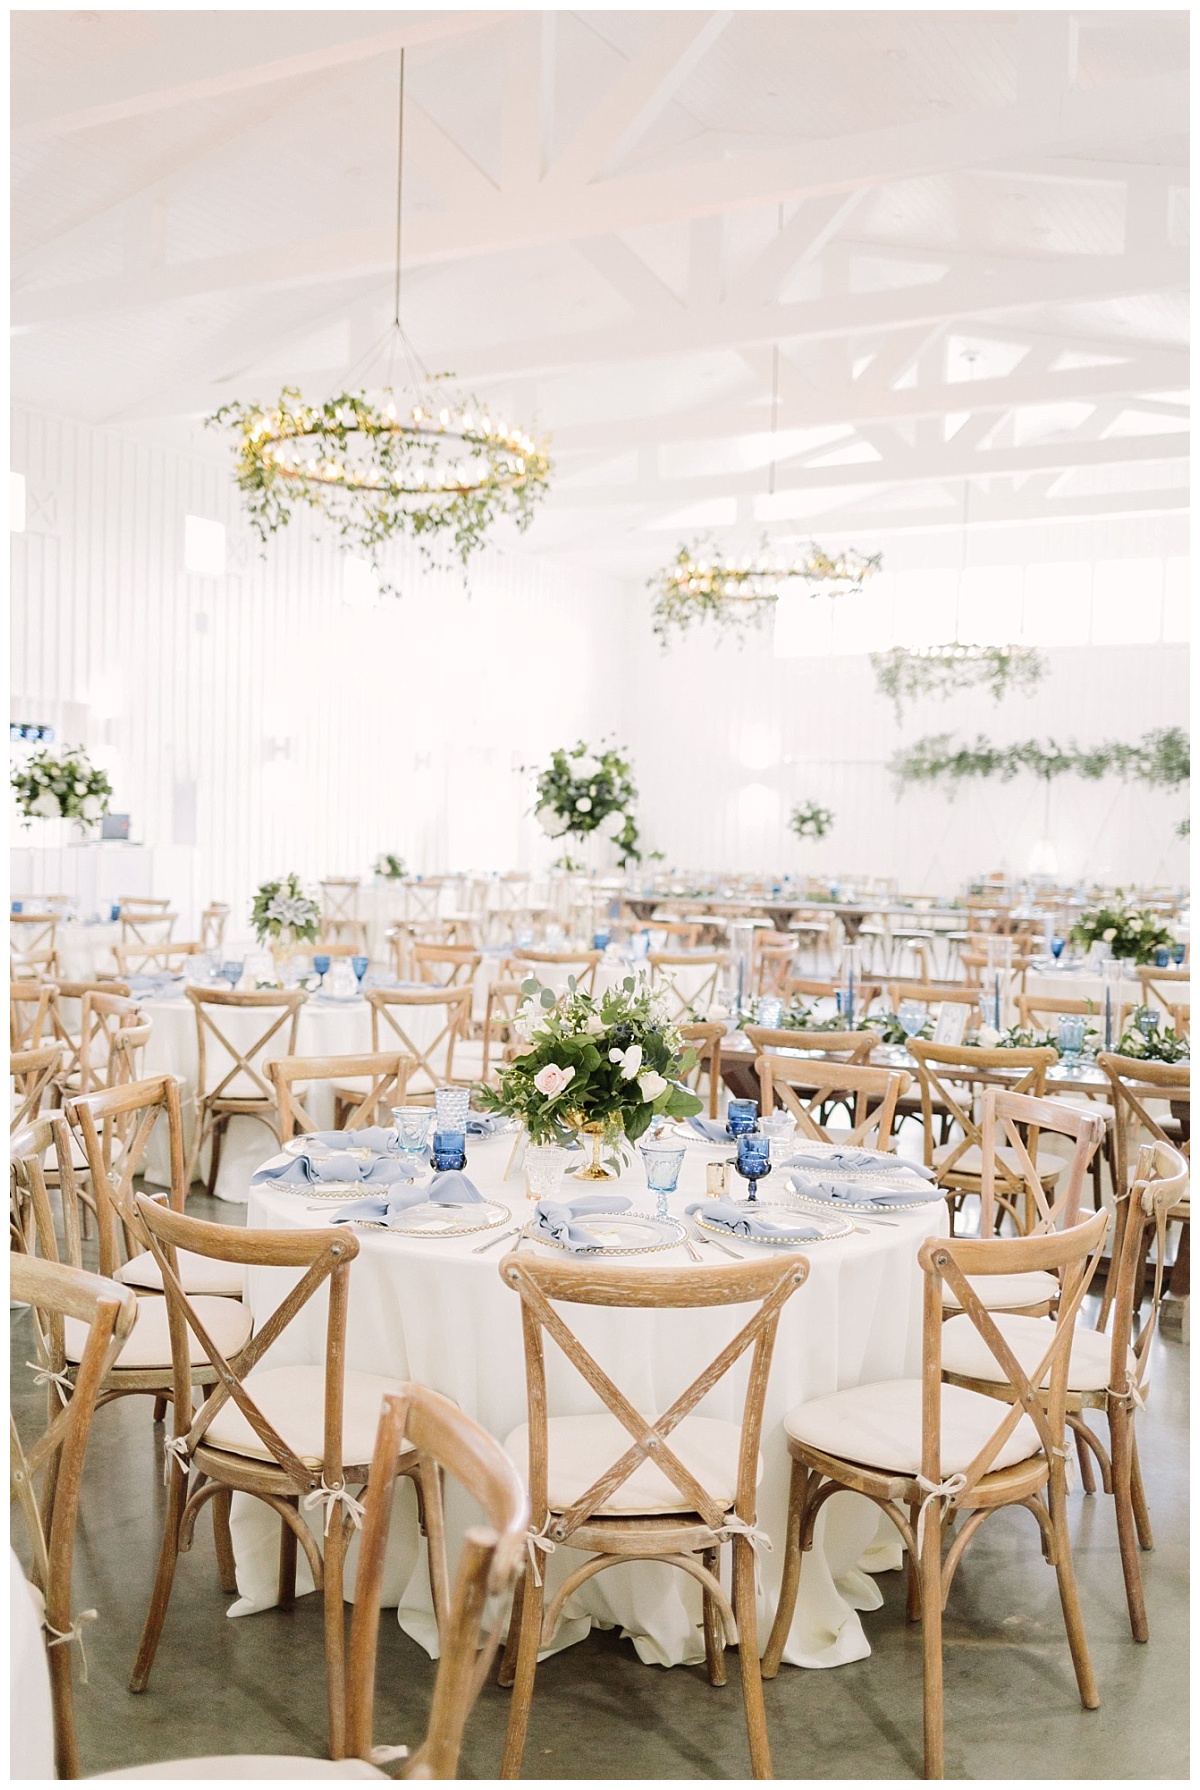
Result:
{"points": [[989, 509], [527, 102], [802, 240], [629, 276]]}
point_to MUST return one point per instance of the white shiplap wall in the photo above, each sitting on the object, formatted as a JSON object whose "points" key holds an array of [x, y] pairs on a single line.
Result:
{"points": [[255, 723]]}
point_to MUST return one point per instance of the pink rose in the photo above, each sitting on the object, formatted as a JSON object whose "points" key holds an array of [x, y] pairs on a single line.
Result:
{"points": [[552, 1080]]}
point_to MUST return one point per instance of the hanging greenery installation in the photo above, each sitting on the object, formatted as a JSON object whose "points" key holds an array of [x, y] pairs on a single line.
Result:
{"points": [[906, 673]]}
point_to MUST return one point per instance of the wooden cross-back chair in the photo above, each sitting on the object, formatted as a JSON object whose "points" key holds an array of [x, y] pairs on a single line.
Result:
{"points": [[705, 1039], [242, 1089], [491, 1559], [280, 1434], [347, 938], [815, 988], [847, 1047], [1140, 1090], [339, 899], [703, 975], [503, 1000], [105, 1313], [936, 994], [382, 1075], [213, 922], [624, 1485], [1163, 986], [554, 967], [145, 921], [66, 1018], [1105, 1374], [30, 1005], [448, 966], [144, 960], [953, 1077], [35, 966], [671, 935], [396, 1013], [925, 1451], [774, 962], [33, 932], [806, 1085], [421, 898], [34, 1074], [102, 1014]]}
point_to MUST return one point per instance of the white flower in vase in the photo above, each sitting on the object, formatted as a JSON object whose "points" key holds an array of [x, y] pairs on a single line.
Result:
{"points": [[46, 804], [613, 825], [630, 1060], [586, 767], [550, 821], [652, 1084], [583, 805], [91, 808]]}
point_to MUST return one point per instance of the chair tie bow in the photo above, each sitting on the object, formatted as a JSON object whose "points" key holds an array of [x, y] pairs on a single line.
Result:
{"points": [[538, 1542], [758, 1538], [44, 1376], [61, 1636], [949, 1488], [179, 1452], [331, 1496]]}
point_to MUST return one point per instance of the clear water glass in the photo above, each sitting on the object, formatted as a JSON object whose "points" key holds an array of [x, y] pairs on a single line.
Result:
{"points": [[449, 1149], [545, 1166], [912, 1016], [452, 1106], [1147, 1019], [410, 1125], [770, 1012], [779, 1129], [741, 1117], [232, 971], [1070, 1038], [663, 1162]]}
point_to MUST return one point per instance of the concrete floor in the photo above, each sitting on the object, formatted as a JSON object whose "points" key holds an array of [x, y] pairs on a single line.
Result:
{"points": [[257, 1685]]}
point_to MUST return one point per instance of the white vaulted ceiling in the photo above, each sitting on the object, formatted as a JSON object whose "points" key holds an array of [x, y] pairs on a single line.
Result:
{"points": [[966, 233]]}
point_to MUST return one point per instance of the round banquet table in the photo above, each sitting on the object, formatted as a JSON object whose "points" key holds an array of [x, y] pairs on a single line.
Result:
{"points": [[432, 1310], [85, 948]]}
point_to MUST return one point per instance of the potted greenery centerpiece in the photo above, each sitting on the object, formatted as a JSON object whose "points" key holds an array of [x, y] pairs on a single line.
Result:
{"points": [[390, 868], [63, 787], [283, 915], [581, 793], [1130, 932], [602, 1065]]}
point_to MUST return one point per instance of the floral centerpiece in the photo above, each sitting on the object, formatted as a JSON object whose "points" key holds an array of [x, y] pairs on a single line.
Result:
{"points": [[1149, 1039], [582, 792], [390, 867], [600, 1064], [67, 787], [282, 913], [811, 821], [1131, 932]]}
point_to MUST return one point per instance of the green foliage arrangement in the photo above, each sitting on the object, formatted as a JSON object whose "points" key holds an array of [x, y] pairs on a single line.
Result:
{"points": [[611, 1059], [702, 585], [1153, 1042], [444, 471], [282, 906], [1132, 932], [66, 786], [581, 792], [388, 865], [811, 821], [909, 672], [1161, 759]]}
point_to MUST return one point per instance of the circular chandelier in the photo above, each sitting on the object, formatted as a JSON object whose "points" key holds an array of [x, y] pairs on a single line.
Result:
{"points": [[914, 671], [702, 584], [423, 461]]}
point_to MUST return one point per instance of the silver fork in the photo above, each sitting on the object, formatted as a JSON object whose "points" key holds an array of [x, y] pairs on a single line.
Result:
{"points": [[714, 1243], [492, 1241]]}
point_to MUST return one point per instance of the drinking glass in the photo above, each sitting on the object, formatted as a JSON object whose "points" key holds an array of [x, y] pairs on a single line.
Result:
{"points": [[1056, 946], [770, 1011], [321, 963], [411, 1128], [1070, 1038], [359, 966], [779, 1129], [912, 1016], [663, 1161], [545, 1165], [741, 1117], [600, 941], [1162, 957], [753, 1160], [1146, 1020], [232, 971], [1178, 953], [452, 1106], [449, 1149]]}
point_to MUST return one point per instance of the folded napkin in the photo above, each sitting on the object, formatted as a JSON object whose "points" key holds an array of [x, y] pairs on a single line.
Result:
{"points": [[484, 1124], [559, 1221], [376, 1138], [302, 1171], [714, 1131], [851, 1158], [858, 1193], [452, 1188], [741, 1223]]}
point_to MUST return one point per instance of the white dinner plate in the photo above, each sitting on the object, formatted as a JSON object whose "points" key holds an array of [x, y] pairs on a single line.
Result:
{"points": [[924, 1195], [621, 1233], [829, 1226], [433, 1220]]}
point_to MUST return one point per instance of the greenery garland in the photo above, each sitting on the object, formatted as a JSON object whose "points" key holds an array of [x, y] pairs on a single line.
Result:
{"points": [[63, 787], [582, 792], [811, 821], [1150, 1040], [1160, 758], [376, 477], [909, 672], [701, 584]]}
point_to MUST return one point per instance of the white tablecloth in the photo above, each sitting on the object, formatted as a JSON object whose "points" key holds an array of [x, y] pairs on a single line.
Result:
{"points": [[1085, 985], [86, 951], [440, 1314]]}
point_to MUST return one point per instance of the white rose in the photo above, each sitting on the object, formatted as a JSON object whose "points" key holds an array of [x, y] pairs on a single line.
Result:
{"points": [[586, 768], [988, 1037], [613, 824], [80, 787], [546, 819], [584, 805], [652, 1084], [46, 804], [595, 1024], [90, 808], [630, 1060], [1109, 936]]}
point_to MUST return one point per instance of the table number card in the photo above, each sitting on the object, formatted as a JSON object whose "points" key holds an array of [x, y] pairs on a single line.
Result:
{"points": [[951, 1023]]}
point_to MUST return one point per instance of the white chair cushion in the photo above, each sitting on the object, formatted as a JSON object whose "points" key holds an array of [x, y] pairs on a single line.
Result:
{"points": [[197, 1274], [965, 1352], [252, 1765], [292, 1399], [583, 1448], [226, 1320], [31, 1714], [879, 1425], [971, 1162], [1006, 1292]]}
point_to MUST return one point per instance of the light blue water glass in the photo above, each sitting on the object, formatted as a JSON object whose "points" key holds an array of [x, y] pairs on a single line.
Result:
{"points": [[451, 1106], [232, 971], [663, 1161], [741, 1117], [410, 1125], [359, 966], [449, 1149], [912, 1016], [1146, 1020], [1070, 1038]]}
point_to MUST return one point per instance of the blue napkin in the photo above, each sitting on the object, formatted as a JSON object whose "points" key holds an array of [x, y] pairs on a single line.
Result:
{"points": [[484, 1124], [740, 1223], [857, 1193], [559, 1221], [835, 1161], [378, 1138], [713, 1131], [302, 1171], [451, 1188]]}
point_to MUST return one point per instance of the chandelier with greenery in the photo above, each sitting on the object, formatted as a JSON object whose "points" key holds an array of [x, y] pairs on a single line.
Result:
{"points": [[422, 461], [913, 671], [702, 584]]}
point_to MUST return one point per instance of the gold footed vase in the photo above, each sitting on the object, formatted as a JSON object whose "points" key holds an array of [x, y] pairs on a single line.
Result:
{"points": [[595, 1134]]}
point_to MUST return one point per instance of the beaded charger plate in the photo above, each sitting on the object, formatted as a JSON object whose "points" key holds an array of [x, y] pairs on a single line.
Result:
{"points": [[829, 1227], [620, 1233], [312, 1146], [330, 1190], [430, 1219], [802, 1184]]}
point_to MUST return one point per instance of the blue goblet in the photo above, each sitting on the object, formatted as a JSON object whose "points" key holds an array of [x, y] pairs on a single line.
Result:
{"points": [[321, 963], [449, 1150], [1178, 952], [232, 971], [1056, 946], [359, 966], [1162, 957], [753, 1160], [1070, 1038], [742, 1117]]}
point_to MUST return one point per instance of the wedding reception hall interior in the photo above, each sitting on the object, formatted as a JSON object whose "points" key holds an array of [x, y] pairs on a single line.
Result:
{"points": [[599, 894]]}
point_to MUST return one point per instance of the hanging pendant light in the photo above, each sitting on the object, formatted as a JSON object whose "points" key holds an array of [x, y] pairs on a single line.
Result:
{"points": [[422, 461]]}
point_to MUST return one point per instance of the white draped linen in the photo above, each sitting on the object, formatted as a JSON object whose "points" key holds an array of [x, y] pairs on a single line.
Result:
{"points": [[437, 1312]]}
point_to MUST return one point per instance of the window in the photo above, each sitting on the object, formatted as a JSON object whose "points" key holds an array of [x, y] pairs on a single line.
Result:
{"points": [[925, 604], [1058, 603], [989, 604], [1127, 601], [204, 546]]}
